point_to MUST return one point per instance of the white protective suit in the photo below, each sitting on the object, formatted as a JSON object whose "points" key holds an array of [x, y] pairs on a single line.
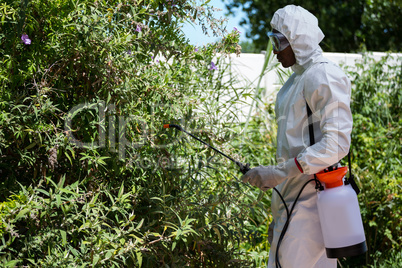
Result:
{"points": [[327, 91]]}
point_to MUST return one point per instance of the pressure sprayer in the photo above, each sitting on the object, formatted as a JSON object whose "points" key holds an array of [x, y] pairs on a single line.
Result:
{"points": [[338, 208], [339, 212]]}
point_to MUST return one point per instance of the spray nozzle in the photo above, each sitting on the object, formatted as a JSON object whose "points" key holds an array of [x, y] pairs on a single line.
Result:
{"points": [[173, 126]]}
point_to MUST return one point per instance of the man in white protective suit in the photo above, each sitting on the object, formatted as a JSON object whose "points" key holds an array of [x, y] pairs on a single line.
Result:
{"points": [[325, 88]]}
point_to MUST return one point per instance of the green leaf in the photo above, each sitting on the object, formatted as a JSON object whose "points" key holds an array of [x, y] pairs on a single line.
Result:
{"points": [[121, 191], [30, 146], [68, 157], [95, 260], [75, 252], [139, 240], [12, 263], [94, 198], [67, 191], [43, 192], [22, 213], [58, 200], [61, 182], [140, 224], [63, 237], [139, 257], [109, 254]]}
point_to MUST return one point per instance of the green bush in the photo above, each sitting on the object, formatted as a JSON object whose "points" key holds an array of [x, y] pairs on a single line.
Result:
{"points": [[376, 149], [89, 175]]}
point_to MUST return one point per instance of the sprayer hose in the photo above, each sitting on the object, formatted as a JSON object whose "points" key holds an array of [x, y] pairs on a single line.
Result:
{"points": [[285, 227]]}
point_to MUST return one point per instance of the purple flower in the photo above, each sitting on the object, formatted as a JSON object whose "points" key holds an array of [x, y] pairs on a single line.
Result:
{"points": [[138, 28], [195, 49], [379, 103], [129, 52], [152, 57], [213, 67], [234, 28], [25, 39]]}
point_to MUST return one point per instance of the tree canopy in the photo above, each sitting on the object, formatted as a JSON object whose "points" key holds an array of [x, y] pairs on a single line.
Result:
{"points": [[349, 26]]}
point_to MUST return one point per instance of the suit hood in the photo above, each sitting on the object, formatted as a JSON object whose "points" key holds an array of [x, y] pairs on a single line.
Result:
{"points": [[301, 29]]}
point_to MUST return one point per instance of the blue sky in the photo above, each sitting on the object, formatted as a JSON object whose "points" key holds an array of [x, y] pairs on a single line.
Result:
{"points": [[194, 33]]}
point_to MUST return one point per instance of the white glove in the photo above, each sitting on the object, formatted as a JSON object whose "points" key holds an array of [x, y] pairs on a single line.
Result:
{"points": [[266, 177]]}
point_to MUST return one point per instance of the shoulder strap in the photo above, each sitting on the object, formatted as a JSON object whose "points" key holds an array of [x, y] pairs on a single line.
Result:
{"points": [[318, 185], [351, 179], [310, 124]]}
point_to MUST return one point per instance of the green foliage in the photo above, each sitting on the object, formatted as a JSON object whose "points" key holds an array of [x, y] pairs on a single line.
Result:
{"points": [[349, 26], [73, 226], [376, 149], [394, 260], [256, 141], [89, 175]]}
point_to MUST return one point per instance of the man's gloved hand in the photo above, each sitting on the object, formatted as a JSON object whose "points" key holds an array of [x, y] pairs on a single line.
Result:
{"points": [[266, 177]]}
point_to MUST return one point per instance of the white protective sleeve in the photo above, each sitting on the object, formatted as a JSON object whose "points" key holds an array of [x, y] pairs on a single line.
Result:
{"points": [[327, 92]]}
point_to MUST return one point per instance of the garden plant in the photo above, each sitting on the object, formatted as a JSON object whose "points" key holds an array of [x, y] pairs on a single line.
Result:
{"points": [[89, 176]]}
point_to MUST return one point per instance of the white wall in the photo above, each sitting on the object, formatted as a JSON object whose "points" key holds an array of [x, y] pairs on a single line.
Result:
{"points": [[248, 68]]}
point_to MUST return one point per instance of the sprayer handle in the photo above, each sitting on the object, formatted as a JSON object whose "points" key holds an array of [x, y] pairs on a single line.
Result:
{"points": [[243, 167]]}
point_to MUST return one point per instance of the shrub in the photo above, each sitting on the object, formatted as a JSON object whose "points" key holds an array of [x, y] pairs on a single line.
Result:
{"points": [[376, 138], [89, 175]]}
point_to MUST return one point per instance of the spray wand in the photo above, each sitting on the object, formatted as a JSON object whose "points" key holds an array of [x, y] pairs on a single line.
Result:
{"points": [[243, 167]]}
